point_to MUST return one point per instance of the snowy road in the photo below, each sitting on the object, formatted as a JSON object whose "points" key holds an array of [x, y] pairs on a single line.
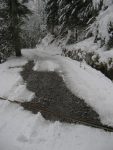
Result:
{"points": [[19, 129], [84, 81]]}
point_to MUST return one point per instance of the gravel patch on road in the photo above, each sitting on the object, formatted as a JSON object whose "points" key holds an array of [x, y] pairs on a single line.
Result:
{"points": [[52, 93]]}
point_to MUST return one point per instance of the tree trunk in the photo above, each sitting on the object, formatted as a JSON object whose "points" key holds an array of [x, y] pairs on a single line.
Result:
{"points": [[18, 53], [15, 28], [76, 35], [16, 41]]}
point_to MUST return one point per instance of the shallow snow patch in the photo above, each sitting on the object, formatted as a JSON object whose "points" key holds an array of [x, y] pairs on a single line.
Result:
{"points": [[11, 83], [21, 94], [45, 66]]}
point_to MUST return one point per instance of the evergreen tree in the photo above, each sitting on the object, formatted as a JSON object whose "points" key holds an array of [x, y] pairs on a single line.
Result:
{"points": [[34, 29], [5, 46], [69, 14], [12, 13], [73, 13], [52, 14], [110, 31], [17, 11], [65, 8]]}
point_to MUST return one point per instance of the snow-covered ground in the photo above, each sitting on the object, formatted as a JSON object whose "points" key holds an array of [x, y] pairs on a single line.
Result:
{"points": [[11, 83], [85, 82], [88, 45], [90, 85], [22, 130]]}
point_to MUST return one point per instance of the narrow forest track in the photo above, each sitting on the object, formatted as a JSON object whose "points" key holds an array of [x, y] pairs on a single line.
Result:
{"points": [[51, 91], [55, 101]]}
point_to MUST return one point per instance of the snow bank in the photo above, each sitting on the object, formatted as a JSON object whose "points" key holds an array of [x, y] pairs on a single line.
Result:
{"points": [[88, 46], [91, 85], [11, 83]]}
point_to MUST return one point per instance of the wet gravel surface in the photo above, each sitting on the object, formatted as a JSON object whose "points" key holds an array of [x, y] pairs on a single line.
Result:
{"points": [[52, 93]]}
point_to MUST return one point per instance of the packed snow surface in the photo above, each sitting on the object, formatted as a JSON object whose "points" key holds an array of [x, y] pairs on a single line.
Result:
{"points": [[46, 65], [11, 83], [21, 130]]}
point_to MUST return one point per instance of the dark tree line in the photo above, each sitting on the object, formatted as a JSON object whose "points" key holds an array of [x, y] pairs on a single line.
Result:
{"points": [[69, 14], [52, 14], [12, 14]]}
